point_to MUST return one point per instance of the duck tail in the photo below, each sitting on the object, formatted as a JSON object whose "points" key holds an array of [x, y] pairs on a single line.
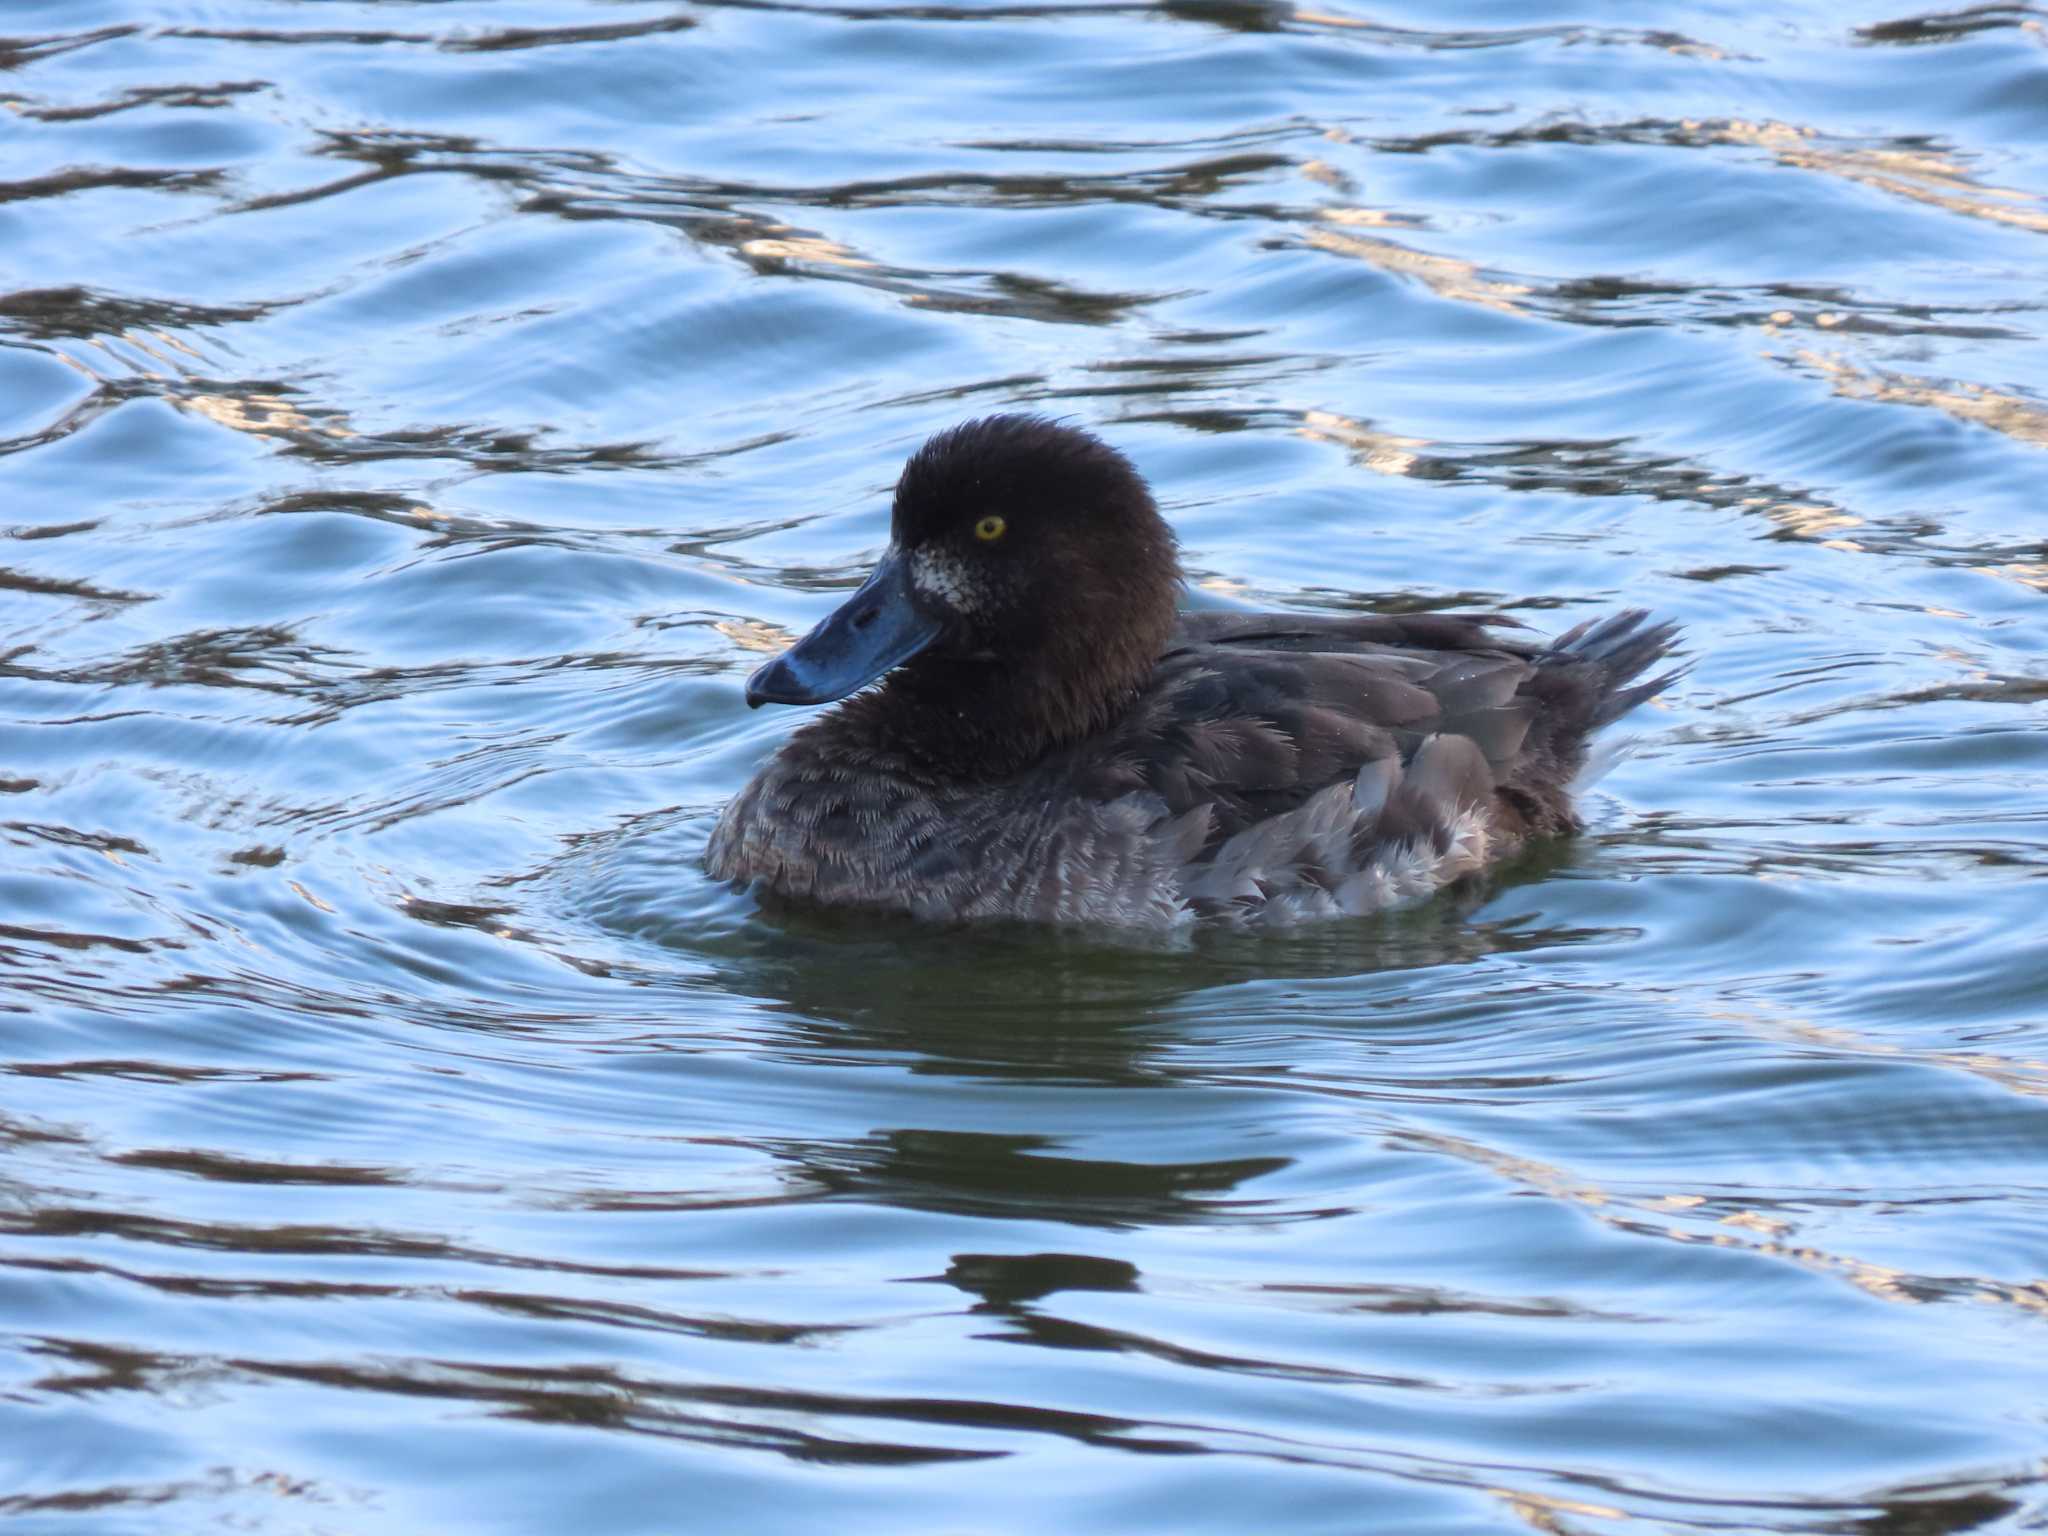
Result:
{"points": [[1588, 677], [1614, 652]]}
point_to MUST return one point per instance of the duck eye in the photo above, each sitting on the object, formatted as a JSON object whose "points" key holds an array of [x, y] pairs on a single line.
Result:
{"points": [[989, 529]]}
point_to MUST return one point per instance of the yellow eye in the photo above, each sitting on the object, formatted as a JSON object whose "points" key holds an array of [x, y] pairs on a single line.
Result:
{"points": [[989, 529]]}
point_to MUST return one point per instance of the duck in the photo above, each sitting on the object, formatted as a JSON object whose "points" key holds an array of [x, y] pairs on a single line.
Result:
{"points": [[1027, 725]]}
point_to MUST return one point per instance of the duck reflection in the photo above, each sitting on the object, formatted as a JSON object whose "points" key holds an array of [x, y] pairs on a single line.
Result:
{"points": [[1020, 1177]]}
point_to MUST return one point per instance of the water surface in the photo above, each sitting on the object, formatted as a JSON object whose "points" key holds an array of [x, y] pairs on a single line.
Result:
{"points": [[415, 418]]}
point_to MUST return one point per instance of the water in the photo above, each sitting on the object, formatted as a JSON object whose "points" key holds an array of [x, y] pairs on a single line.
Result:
{"points": [[417, 416]]}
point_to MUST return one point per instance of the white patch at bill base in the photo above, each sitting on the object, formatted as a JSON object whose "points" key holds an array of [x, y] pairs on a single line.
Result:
{"points": [[942, 578]]}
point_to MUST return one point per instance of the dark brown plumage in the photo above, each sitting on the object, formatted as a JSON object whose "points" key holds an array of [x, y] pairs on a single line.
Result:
{"points": [[1060, 746]]}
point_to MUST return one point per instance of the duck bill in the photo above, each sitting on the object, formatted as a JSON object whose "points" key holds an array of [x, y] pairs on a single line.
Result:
{"points": [[879, 627]]}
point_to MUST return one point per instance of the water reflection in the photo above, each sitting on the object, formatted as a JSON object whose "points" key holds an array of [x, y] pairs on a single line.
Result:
{"points": [[1949, 26]]}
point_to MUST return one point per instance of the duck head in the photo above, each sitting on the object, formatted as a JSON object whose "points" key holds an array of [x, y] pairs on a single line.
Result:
{"points": [[1028, 588]]}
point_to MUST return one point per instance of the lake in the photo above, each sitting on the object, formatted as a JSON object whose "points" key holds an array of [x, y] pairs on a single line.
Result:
{"points": [[417, 416]]}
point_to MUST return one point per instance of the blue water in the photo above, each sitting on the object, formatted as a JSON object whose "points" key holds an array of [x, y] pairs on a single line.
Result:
{"points": [[415, 418]]}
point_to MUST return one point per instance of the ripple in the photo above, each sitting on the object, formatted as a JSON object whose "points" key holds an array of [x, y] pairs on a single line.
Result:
{"points": [[415, 423]]}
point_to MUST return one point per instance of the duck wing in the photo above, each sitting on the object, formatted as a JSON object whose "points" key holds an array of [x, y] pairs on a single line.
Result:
{"points": [[1348, 762], [1251, 714]]}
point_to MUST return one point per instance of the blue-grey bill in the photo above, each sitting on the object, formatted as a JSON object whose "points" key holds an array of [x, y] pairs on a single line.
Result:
{"points": [[879, 627]]}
